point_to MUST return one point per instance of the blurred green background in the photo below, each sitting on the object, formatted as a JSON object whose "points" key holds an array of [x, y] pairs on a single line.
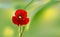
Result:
{"points": [[44, 18]]}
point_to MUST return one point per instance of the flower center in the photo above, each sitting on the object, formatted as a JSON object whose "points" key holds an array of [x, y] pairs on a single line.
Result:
{"points": [[20, 16]]}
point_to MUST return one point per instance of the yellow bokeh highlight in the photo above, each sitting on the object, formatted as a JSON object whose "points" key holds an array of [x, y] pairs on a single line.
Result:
{"points": [[50, 14], [8, 31]]}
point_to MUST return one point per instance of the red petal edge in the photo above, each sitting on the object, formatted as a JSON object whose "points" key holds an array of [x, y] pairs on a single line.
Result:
{"points": [[15, 20]]}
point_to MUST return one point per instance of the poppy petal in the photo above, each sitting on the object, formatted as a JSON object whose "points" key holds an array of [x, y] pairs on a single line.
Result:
{"points": [[15, 20], [24, 21], [21, 12]]}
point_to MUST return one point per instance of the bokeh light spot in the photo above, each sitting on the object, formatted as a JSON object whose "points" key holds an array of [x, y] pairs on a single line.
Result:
{"points": [[8, 31]]}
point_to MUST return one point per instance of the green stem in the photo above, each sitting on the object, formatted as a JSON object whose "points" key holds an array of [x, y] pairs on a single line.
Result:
{"points": [[22, 31], [28, 4]]}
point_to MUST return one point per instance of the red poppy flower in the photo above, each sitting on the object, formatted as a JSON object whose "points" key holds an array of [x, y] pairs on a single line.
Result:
{"points": [[20, 18]]}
